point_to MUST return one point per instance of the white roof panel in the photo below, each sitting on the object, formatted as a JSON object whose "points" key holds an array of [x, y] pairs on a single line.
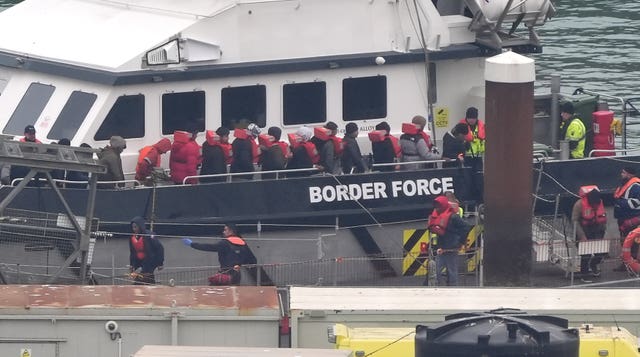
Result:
{"points": [[98, 33]]}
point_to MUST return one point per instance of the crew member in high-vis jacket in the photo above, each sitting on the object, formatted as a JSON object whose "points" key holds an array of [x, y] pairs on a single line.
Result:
{"points": [[233, 252], [572, 129]]}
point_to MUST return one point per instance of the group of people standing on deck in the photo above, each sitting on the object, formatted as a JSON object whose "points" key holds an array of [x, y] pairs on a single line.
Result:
{"points": [[318, 148]]}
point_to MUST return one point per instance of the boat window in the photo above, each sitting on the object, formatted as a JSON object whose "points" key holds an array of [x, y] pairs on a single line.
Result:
{"points": [[364, 98], [126, 118], [182, 111], [243, 105], [304, 103], [30, 107], [72, 115]]}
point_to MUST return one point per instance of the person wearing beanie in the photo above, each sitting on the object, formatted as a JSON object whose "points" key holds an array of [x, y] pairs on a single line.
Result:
{"points": [[386, 151], [216, 155], [475, 139], [274, 157], [452, 232], [572, 129], [417, 147], [351, 159], [626, 206], [109, 156]]}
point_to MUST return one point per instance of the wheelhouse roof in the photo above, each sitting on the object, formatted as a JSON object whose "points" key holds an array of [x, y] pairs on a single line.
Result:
{"points": [[105, 34]]}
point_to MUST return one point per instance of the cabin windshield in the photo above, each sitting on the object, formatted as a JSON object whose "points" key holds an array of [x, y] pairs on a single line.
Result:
{"points": [[29, 109], [72, 115]]}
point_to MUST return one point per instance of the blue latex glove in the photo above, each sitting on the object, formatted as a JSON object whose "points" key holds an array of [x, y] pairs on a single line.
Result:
{"points": [[187, 241]]}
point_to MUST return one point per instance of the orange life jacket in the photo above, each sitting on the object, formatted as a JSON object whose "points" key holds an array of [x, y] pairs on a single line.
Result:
{"points": [[226, 150], [620, 191], [396, 145], [479, 127], [311, 151], [236, 240], [138, 246], [592, 216], [438, 221], [338, 147], [427, 139], [285, 149], [255, 150], [24, 141]]}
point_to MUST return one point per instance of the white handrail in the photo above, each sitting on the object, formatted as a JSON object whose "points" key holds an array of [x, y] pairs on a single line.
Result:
{"points": [[135, 182], [402, 163], [231, 174], [612, 151]]}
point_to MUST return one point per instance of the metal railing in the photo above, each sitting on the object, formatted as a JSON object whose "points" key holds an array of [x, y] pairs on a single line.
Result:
{"points": [[134, 183]]}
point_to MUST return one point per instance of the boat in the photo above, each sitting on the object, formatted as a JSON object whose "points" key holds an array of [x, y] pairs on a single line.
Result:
{"points": [[143, 69]]}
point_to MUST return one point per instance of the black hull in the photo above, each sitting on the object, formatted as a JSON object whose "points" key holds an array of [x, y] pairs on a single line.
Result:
{"points": [[385, 197]]}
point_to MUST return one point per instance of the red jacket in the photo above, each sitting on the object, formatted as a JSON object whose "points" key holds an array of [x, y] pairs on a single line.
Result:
{"points": [[184, 161]]}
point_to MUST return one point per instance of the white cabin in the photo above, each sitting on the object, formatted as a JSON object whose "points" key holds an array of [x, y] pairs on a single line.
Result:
{"points": [[89, 69]]}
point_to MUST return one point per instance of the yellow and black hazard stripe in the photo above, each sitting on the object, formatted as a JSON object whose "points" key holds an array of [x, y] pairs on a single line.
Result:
{"points": [[415, 244]]}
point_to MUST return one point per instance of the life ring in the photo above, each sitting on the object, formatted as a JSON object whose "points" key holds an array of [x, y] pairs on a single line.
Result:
{"points": [[627, 259]]}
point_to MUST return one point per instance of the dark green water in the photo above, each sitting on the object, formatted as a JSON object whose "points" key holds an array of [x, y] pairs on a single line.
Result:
{"points": [[593, 44]]}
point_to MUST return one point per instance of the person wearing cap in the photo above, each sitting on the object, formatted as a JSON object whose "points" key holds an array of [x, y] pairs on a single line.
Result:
{"points": [[474, 139], [245, 152], [109, 156], [30, 135], [275, 156], [572, 129], [451, 233], [351, 159], [626, 205], [417, 147], [233, 253], [150, 157], [216, 155], [590, 222], [185, 157], [386, 151]]}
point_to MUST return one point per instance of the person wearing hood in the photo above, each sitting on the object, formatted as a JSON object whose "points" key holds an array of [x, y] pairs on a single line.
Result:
{"points": [[233, 253], [451, 233], [109, 156], [304, 153], [150, 158], [185, 157], [146, 253]]}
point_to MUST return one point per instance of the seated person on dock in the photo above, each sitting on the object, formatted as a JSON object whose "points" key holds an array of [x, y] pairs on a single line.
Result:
{"points": [[590, 222]]}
